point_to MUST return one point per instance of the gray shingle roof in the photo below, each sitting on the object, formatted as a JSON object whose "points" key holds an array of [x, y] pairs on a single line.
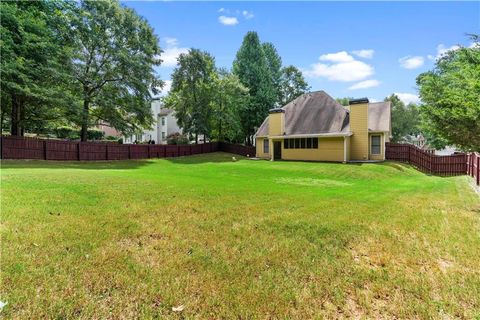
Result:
{"points": [[379, 116], [317, 113]]}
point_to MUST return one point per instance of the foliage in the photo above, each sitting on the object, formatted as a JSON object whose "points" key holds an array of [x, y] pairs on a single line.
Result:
{"points": [[35, 63], [192, 92], [451, 95], [177, 138], [115, 52], [344, 101], [251, 67], [405, 119], [74, 134], [230, 97], [274, 67], [292, 85]]}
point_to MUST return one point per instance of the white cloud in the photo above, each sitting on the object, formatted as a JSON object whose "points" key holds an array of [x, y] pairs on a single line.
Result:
{"points": [[365, 84], [341, 56], [341, 67], [247, 14], [408, 97], [410, 62], [222, 10], [364, 53], [442, 49], [166, 88], [228, 21], [171, 52]]}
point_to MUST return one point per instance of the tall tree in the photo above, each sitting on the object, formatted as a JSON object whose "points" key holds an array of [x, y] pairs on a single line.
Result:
{"points": [[116, 51], [451, 95], [34, 65], [292, 84], [230, 98], [405, 118], [274, 66], [192, 92], [251, 67]]}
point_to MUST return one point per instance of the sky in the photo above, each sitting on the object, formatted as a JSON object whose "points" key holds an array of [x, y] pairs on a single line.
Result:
{"points": [[348, 49]]}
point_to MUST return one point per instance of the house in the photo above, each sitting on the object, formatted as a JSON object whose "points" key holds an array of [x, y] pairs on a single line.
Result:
{"points": [[165, 124], [315, 127]]}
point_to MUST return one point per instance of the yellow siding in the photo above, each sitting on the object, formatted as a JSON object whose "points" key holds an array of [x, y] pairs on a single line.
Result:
{"points": [[275, 124], [382, 147], [347, 141], [359, 126], [329, 149], [259, 147]]}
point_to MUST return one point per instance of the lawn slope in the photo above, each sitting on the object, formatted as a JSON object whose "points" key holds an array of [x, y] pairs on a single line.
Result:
{"points": [[245, 239]]}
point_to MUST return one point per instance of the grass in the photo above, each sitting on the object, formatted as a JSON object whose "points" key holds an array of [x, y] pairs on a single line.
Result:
{"points": [[245, 239]]}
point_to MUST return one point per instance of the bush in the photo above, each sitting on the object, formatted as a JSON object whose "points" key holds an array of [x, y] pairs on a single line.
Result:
{"points": [[95, 134], [67, 133], [177, 138], [111, 138]]}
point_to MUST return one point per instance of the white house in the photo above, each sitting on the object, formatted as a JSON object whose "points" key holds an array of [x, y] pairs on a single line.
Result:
{"points": [[164, 125]]}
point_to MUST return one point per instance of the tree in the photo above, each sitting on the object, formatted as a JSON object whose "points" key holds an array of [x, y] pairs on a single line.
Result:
{"points": [[116, 51], [405, 119], [35, 54], [274, 67], [344, 101], [230, 97], [251, 67], [192, 92], [451, 95], [292, 84]]}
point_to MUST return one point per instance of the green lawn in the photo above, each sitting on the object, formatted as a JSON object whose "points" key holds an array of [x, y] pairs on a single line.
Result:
{"points": [[246, 239]]}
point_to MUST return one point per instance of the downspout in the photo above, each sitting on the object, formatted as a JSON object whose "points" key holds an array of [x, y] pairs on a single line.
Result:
{"points": [[344, 149]]}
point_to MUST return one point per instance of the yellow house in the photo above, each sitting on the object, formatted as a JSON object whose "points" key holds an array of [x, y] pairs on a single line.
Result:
{"points": [[315, 127]]}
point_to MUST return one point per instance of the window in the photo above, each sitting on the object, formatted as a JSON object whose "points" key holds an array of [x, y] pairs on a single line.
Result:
{"points": [[303, 143], [163, 121], [265, 146], [163, 135], [376, 149], [309, 143], [300, 143]]}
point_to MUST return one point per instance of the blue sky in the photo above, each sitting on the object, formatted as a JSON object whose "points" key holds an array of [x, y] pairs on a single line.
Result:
{"points": [[358, 49]]}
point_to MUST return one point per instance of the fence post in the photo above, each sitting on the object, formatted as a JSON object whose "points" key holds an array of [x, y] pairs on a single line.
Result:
{"points": [[106, 151], [129, 152], [478, 170], [45, 149]]}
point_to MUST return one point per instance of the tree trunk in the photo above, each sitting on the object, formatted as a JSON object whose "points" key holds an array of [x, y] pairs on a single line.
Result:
{"points": [[83, 135], [15, 117], [22, 121], [196, 138]]}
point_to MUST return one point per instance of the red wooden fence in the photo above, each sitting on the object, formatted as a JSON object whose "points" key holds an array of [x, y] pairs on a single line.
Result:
{"points": [[33, 148], [473, 166], [426, 161]]}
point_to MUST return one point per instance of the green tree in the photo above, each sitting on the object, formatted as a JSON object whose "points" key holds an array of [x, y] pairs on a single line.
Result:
{"points": [[292, 84], [34, 66], [116, 51], [344, 101], [274, 66], [230, 97], [192, 92], [405, 118], [251, 67], [451, 95]]}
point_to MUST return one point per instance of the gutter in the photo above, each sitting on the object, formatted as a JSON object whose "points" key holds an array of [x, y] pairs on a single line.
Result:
{"points": [[310, 135]]}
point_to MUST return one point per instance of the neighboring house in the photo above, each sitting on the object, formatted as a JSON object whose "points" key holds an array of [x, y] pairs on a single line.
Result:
{"points": [[164, 125], [107, 130], [315, 127]]}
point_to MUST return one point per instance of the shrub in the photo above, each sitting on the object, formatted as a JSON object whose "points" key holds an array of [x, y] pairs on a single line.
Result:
{"points": [[95, 135], [177, 138], [67, 133]]}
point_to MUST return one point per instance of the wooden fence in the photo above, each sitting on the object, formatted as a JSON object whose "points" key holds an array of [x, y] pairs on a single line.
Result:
{"points": [[33, 148], [426, 161], [473, 166]]}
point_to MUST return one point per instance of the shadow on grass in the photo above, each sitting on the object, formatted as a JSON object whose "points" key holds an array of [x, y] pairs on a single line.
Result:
{"points": [[214, 157], [83, 165]]}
